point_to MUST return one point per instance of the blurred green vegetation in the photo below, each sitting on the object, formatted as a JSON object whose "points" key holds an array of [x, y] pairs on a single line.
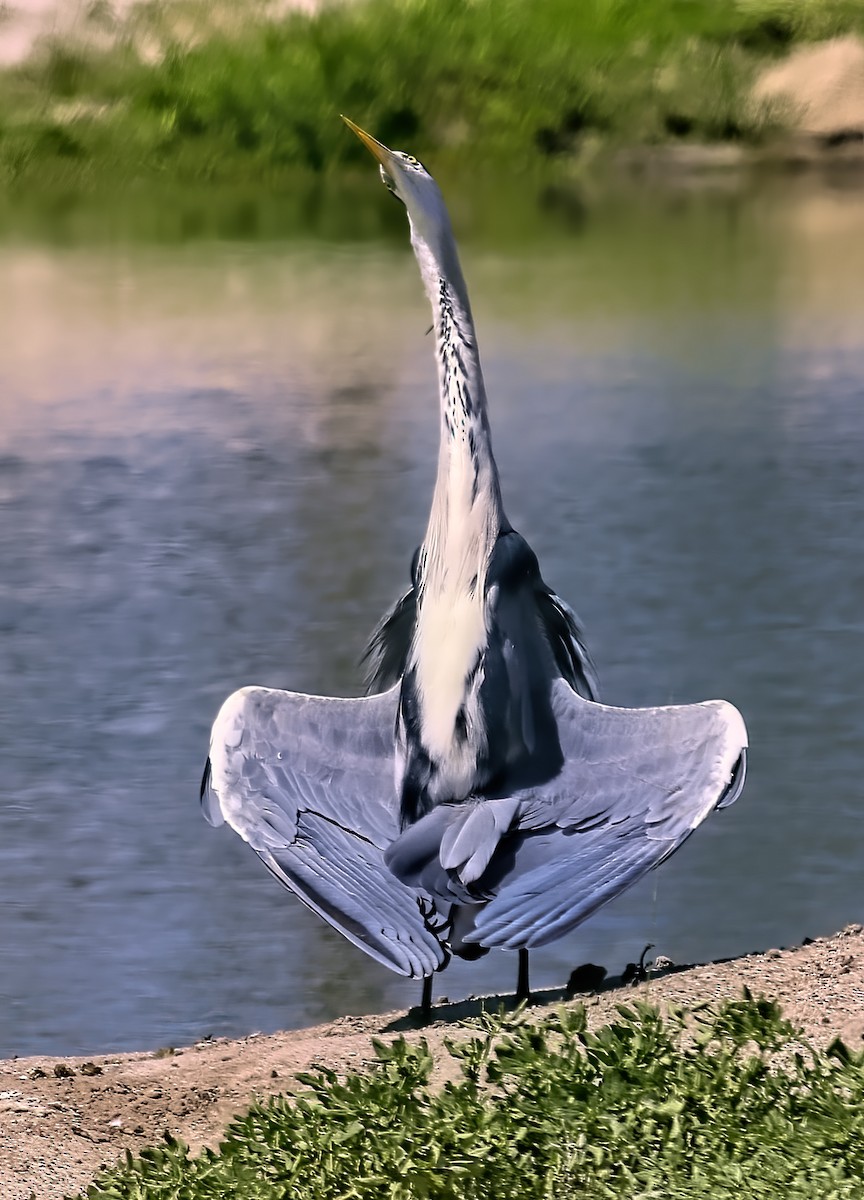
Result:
{"points": [[714, 1105], [197, 91]]}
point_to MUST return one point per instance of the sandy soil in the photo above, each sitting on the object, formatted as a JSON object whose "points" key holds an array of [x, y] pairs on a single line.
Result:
{"points": [[60, 1121]]}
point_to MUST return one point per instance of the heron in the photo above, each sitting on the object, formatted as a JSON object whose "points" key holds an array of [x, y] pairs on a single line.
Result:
{"points": [[478, 796]]}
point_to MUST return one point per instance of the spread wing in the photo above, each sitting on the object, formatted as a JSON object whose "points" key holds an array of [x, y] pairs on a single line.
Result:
{"points": [[537, 861], [308, 782]]}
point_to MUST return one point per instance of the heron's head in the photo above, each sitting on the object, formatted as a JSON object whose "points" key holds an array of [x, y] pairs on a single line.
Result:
{"points": [[409, 181]]}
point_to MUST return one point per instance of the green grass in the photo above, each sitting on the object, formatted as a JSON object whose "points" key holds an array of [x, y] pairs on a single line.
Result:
{"points": [[716, 1105], [498, 80]]}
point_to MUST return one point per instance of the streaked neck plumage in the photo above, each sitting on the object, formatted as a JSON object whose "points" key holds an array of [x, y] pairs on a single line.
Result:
{"points": [[465, 455], [466, 519]]}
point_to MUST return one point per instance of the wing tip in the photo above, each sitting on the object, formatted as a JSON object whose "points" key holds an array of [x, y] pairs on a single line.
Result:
{"points": [[413, 958], [735, 786], [205, 781], [734, 759], [209, 800]]}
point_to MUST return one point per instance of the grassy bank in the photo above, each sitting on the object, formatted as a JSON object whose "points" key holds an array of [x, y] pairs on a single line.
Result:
{"points": [[724, 1104], [229, 94]]}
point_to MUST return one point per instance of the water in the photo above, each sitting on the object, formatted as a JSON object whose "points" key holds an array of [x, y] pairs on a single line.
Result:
{"points": [[216, 458]]}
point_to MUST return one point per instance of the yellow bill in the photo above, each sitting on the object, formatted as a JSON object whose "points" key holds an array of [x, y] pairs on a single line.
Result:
{"points": [[376, 148]]}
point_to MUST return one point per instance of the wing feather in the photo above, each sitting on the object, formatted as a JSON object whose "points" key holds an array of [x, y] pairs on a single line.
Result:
{"points": [[308, 782], [567, 643], [634, 785], [385, 656]]}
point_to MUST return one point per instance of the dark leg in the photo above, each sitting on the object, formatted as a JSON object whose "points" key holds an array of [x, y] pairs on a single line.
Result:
{"points": [[426, 998], [523, 991]]}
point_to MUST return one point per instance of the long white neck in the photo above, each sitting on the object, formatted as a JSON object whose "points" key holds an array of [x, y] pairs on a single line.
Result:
{"points": [[467, 513], [466, 518]]}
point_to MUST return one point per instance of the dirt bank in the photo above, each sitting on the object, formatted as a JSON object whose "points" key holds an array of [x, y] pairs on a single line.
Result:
{"points": [[60, 1121]]}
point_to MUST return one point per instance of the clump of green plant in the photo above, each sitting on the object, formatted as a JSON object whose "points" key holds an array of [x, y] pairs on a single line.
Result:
{"points": [[719, 1103], [255, 96]]}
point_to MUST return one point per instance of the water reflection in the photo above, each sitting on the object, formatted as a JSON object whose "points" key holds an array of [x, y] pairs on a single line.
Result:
{"points": [[215, 461]]}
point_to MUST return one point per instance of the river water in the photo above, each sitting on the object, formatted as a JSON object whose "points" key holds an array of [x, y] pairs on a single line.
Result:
{"points": [[216, 458]]}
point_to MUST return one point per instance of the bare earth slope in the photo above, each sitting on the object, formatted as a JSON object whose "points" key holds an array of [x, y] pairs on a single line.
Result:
{"points": [[58, 1128]]}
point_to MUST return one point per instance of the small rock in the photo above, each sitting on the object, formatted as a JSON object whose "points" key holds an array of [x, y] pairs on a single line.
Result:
{"points": [[586, 978], [116, 1123], [773, 953], [274, 1074], [90, 1068], [661, 963], [37, 1073], [164, 1052], [63, 1071]]}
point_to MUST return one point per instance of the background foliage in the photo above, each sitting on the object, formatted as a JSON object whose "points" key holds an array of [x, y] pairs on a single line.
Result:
{"points": [[223, 91]]}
